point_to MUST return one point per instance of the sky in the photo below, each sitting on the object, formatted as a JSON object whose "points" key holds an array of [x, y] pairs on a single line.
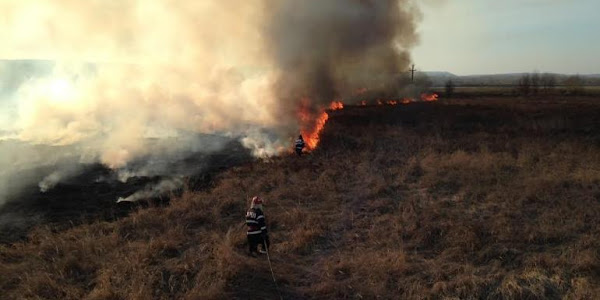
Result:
{"points": [[488, 36]]}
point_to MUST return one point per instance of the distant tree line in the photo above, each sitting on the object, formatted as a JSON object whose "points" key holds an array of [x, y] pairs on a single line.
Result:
{"points": [[528, 84], [536, 83]]}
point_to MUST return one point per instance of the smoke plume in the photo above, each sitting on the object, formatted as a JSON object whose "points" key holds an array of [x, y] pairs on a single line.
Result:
{"points": [[324, 50], [152, 191], [117, 74]]}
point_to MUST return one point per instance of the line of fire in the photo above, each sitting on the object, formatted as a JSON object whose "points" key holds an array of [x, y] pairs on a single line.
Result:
{"points": [[313, 124]]}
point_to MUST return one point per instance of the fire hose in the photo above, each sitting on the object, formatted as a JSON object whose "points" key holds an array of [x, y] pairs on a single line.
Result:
{"points": [[271, 267]]}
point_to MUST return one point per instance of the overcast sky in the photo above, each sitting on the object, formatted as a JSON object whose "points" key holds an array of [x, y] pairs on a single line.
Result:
{"points": [[489, 36]]}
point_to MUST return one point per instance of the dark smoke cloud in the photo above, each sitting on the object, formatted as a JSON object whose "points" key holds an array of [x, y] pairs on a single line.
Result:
{"points": [[326, 48]]}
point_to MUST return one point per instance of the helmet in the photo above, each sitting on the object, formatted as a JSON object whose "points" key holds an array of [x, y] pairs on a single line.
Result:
{"points": [[256, 200]]}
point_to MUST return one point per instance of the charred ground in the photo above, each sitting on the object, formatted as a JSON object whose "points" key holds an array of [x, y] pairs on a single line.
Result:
{"points": [[478, 198], [90, 195]]}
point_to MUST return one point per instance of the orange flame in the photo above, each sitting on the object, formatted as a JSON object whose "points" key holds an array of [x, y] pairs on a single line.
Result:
{"points": [[395, 102], [429, 97], [336, 105], [311, 137], [312, 127]]}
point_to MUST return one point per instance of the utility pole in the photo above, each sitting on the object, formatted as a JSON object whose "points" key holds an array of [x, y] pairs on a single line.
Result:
{"points": [[412, 73]]}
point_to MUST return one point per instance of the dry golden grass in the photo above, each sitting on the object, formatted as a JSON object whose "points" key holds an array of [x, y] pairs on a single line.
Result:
{"points": [[462, 199]]}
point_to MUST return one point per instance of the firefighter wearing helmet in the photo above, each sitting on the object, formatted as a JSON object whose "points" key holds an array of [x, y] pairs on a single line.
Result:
{"points": [[299, 145], [257, 227]]}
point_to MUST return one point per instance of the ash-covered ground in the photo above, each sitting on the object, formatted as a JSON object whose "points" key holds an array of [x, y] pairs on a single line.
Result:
{"points": [[90, 192]]}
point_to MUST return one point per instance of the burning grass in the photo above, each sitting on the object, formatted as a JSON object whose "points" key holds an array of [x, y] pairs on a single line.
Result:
{"points": [[454, 199], [425, 97]]}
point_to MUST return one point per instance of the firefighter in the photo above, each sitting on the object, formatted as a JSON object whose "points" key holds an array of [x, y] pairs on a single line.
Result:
{"points": [[257, 227], [299, 145]]}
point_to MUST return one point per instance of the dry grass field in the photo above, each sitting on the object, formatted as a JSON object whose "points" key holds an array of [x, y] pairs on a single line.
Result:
{"points": [[487, 198]]}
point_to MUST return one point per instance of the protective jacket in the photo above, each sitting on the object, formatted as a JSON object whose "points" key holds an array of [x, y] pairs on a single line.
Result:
{"points": [[255, 219], [299, 144]]}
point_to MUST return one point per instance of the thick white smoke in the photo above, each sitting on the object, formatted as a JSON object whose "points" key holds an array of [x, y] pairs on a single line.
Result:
{"points": [[158, 67], [152, 191], [125, 72], [128, 71]]}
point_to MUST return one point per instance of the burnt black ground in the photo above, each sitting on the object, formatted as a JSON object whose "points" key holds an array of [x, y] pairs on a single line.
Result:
{"points": [[91, 195]]}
